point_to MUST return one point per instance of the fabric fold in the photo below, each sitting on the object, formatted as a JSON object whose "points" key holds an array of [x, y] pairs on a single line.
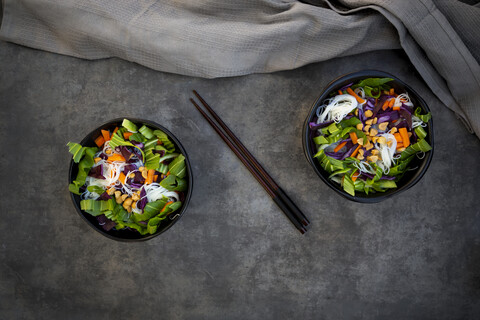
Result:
{"points": [[223, 38]]}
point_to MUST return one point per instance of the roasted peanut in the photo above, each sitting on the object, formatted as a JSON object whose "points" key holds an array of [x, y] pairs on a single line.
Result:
{"points": [[368, 113], [383, 126]]}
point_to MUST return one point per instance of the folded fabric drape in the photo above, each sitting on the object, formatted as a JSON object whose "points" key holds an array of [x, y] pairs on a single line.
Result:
{"points": [[222, 38]]}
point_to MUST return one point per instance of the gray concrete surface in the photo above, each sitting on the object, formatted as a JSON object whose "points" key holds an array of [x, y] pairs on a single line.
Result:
{"points": [[233, 255]]}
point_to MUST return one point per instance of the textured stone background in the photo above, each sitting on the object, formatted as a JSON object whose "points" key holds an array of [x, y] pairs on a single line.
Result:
{"points": [[233, 255]]}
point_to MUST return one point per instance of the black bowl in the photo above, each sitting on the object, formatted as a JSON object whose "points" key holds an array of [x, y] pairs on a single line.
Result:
{"points": [[131, 235], [410, 178]]}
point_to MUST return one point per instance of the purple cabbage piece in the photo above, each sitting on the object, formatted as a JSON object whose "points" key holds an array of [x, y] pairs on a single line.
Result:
{"points": [[316, 126], [388, 116], [349, 152], [408, 117], [126, 153], [335, 155], [138, 154], [138, 178], [96, 172], [379, 105], [142, 203], [104, 196], [106, 223], [370, 104], [129, 167], [346, 86], [160, 152], [138, 144]]}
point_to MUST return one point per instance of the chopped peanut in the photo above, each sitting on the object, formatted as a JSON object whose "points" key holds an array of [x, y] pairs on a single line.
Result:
{"points": [[373, 132], [383, 126], [369, 121], [123, 197], [361, 151], [375, 152], [111, 191], [356, 112], [97, 159], [127, 202], [131, 175], [382, 140], [374, 139], [117, 193], [134, 205], [369, 146], [393, 130], [144, 174], [372, 158], [360, 126], [360, 141], [129, 209], [108, 151], [135, 197], [141, 169], [389, 142], [360, 157], [366, 128], [375, 120], [368, 113]]}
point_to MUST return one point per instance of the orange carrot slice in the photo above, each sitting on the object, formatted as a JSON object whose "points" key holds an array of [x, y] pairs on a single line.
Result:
{"points": [[150, 174], [127, 135], [404, 134], [106, 135], [122, 177], [355, 151], [340, 146], [350, 92], [354, 137], [99, 141], [116, 157]]}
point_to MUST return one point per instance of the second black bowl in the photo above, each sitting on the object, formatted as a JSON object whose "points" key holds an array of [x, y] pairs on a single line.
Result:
{"points": [[410, 178]]}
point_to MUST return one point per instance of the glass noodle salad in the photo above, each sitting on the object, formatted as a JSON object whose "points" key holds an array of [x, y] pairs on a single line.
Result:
{"points": [[133, 179], [366, 135]]}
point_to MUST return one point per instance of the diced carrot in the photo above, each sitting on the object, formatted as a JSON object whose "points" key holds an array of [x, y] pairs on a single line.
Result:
{"points": [[355, 151], [122, 178], [150, 174], [99, 141], [340, 146], [350, 92], [170, 202], [391, 103], [404, 134], [398, 137], [106, 135], [340, 92], [395, 108], [168, 173], [159, 142], [97, 159], [127, 134], [392, 91], [385, 105], [354, 137], [399, 145], [155, 177], [355, 175], [116, 157], [115, 131]]}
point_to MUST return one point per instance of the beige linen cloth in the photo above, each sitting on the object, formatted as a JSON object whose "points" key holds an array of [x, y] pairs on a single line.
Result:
{"points": [[222, 38]]}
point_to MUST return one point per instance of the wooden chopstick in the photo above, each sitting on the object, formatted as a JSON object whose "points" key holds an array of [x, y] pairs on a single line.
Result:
{"points": [[280, 198], [269, 180]]}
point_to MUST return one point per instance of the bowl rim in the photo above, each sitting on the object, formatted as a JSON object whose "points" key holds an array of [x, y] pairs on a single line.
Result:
{"points": [[188, 194], [338, 82]]}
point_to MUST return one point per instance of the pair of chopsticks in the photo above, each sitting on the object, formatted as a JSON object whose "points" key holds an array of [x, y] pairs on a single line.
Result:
{"points": [[271, 187]]}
